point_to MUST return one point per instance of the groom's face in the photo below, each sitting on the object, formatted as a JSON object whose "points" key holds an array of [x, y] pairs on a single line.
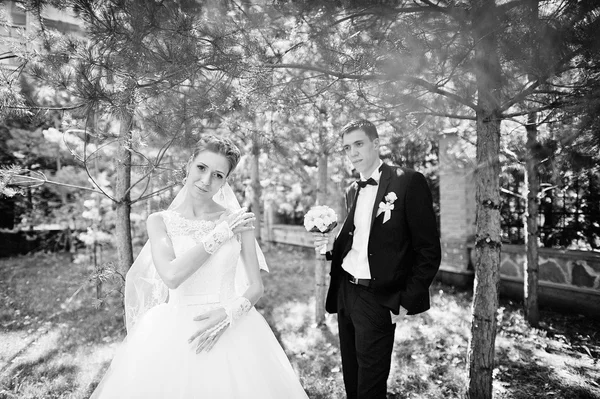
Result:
{"points": [[362, 151]]}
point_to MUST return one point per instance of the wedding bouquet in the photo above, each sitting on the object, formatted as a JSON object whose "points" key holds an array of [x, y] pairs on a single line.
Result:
{"points": [[320, 219]]}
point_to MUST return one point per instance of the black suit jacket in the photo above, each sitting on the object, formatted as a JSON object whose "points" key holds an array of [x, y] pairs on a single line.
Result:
{"points": [[404, 252]]}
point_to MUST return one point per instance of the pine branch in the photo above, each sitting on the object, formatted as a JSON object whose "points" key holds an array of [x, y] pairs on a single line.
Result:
{"points": [[45, 108], [432, 88], [445, 115], [154, 193], [56, 183], [159, 158]]}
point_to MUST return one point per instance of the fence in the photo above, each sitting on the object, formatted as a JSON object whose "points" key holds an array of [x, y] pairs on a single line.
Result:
{"points": [[569, 214], [23, 242]]}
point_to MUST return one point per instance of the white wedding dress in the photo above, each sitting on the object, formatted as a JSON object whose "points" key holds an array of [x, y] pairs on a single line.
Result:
{"points": [[156, 360]]}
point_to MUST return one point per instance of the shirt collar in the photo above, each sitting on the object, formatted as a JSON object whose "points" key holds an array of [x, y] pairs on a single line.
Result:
{"points": [[376, 175]]}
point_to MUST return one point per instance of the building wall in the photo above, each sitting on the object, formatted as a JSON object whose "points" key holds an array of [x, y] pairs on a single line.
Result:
{"points": [[18, 29]]}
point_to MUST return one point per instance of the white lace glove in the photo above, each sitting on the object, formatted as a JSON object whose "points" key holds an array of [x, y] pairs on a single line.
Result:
{"points": [[237, 308], [213, 240], [236, 222]]}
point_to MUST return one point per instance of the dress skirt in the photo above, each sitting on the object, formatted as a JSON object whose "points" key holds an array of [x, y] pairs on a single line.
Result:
{"points": [[156, 361]]}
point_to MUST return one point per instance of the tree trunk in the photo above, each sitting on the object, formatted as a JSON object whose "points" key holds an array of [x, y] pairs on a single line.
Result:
{"points": [[480, 356], [150, 200], [320, 261], [532, 185], [256, 188], [91, 124], [123, 196]]}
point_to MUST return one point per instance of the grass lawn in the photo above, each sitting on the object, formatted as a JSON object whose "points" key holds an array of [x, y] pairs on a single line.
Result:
{"points": [[54, 344]]}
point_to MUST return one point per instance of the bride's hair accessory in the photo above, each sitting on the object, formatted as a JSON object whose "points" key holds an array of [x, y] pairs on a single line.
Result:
{"points": [[237, 308], [216, 238]]}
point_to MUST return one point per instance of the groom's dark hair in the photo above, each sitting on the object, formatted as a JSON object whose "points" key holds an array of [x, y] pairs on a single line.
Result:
{"points": [[361, 124]]}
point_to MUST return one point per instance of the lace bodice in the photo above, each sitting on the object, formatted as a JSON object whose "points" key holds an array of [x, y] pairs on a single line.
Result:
{"points": [[214, 281]]}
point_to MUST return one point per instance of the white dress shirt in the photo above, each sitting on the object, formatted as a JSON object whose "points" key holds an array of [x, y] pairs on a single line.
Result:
{"points": [[356, 261]]}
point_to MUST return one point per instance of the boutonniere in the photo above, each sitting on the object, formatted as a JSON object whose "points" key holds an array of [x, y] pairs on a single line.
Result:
{"points": [[387, 206]]}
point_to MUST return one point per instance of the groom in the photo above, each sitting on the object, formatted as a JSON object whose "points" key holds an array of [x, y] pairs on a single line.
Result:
{"points": [[383, 260]]}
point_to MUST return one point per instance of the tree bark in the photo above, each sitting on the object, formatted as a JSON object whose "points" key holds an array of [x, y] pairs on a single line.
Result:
{"points": [[320, 261], [122, 194], [91, 124], [480, 356], [532, 185], [256, 187]]}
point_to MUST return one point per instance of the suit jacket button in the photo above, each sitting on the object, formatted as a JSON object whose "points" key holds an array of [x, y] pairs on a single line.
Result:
{"points": [[351, 234]]}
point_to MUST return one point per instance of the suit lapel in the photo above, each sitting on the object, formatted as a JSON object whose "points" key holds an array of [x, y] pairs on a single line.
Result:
{"points": [[384, 181], [349, 222]]}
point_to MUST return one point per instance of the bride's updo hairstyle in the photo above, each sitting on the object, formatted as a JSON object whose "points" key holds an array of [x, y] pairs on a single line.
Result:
{"points": [[218, 145]]}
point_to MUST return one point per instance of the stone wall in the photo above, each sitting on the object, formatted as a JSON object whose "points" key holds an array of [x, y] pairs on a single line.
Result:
{"points": [[572, 268], [569, 280]]}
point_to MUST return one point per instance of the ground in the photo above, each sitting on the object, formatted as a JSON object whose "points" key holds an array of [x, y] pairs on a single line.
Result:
{"points": [[56, 343]]}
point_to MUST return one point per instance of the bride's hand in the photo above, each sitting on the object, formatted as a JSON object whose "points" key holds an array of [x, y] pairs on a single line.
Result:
{"points": [[241, 220], [213, 325]]}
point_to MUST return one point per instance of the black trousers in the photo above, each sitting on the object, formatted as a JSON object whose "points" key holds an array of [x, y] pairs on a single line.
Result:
{"points": [[366, 341]]}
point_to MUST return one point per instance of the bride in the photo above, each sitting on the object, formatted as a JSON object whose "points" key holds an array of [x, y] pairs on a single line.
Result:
{"points": [[193, 331]]}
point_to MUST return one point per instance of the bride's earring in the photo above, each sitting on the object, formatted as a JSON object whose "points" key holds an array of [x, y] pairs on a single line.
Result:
{"points": [[184, 180], [221, 194]]}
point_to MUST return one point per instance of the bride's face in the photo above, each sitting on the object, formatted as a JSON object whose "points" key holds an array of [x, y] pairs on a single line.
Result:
{"points": [[206, 174]]}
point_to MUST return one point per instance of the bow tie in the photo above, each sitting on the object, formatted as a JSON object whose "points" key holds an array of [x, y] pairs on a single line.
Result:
{"points": [[364, 183]]}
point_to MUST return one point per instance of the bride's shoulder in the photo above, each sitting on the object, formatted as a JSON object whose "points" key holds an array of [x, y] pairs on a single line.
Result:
{"points": [[157, 215], [157, 220]]}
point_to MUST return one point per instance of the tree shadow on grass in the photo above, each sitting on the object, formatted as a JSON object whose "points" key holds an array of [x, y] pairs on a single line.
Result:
{"points": [[45, 376], [56, 371], [289, 285], [429, 366], [85, 326], [430, 349], [522, 375]]}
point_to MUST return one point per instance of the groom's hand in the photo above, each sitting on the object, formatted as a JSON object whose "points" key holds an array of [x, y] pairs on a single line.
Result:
{"points": [[323, 241], [212, 325], [398, 317]]}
